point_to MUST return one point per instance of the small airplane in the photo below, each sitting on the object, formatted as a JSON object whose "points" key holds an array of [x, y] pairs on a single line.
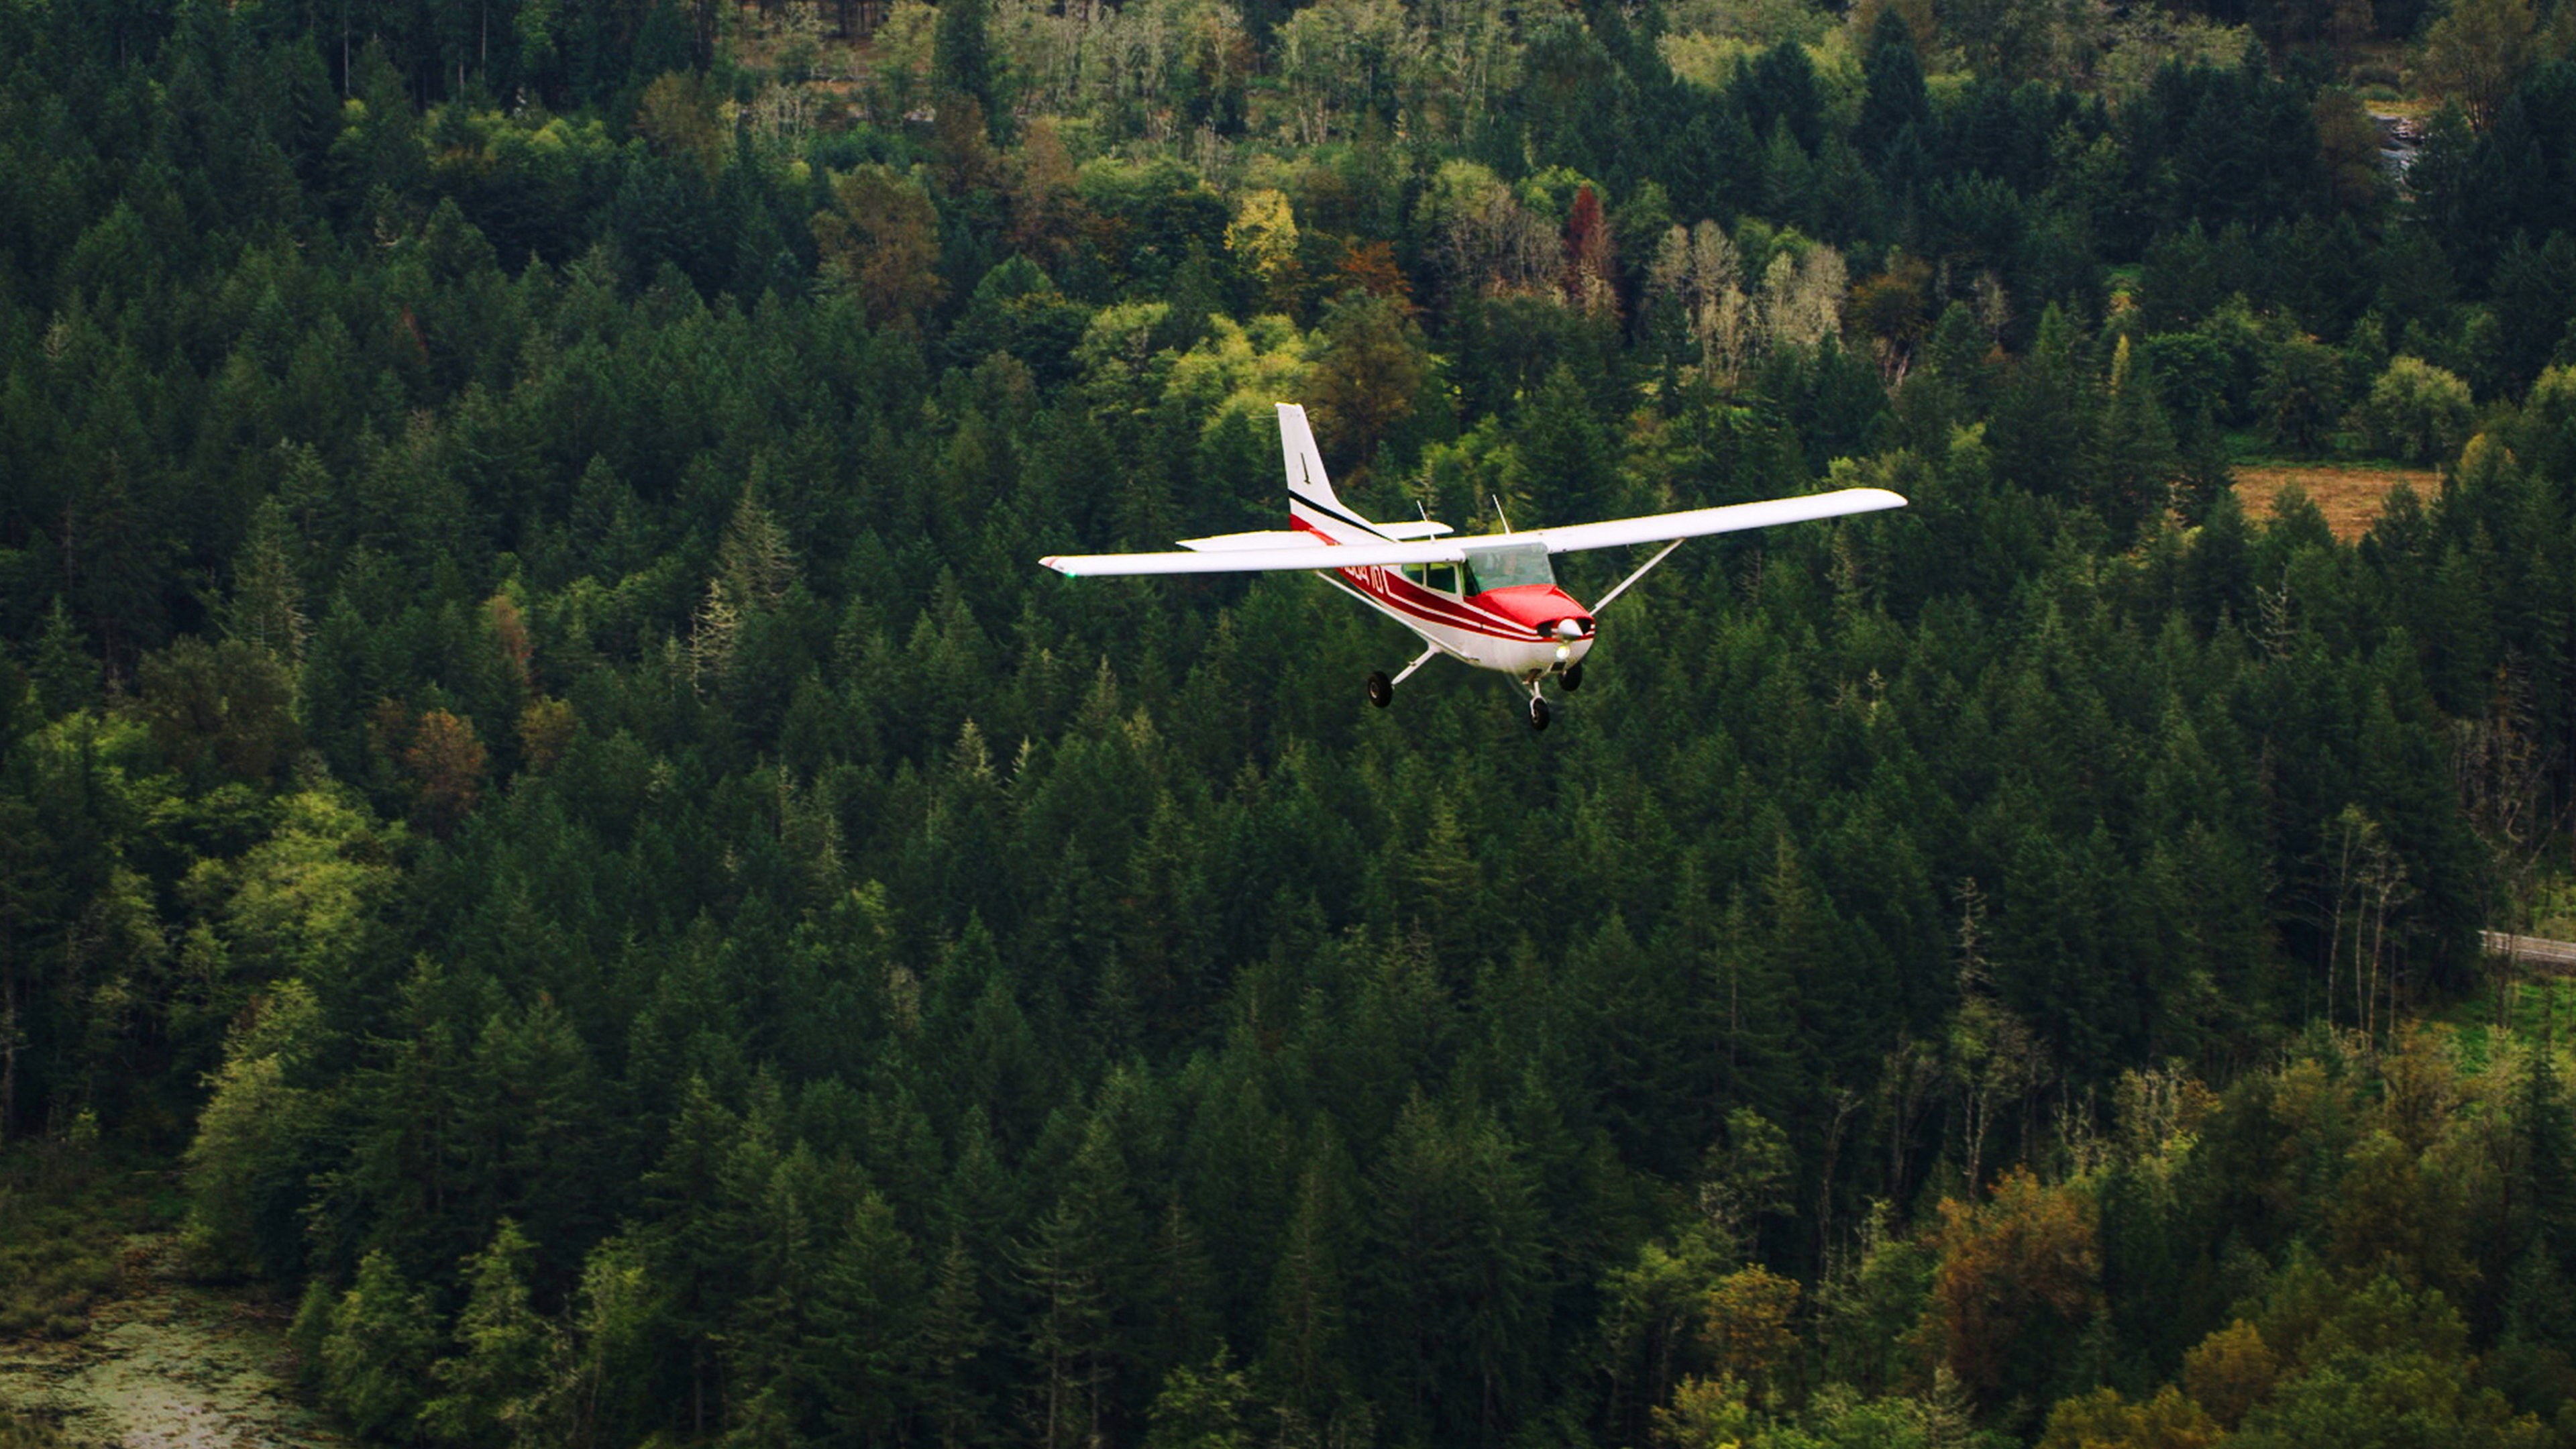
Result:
{"points": [[1490, 600]]}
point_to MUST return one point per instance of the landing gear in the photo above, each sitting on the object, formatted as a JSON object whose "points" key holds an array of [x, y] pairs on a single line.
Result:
{"points": [[1380, 691], [1538, 712], [1573, 678]]}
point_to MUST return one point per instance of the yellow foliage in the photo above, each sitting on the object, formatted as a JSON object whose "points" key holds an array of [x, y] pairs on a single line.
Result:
{"points": [[2231, 1371], [1239, 369], [1746, 1325], [2103, 1420], [1704, 1414], [1264, 238]]}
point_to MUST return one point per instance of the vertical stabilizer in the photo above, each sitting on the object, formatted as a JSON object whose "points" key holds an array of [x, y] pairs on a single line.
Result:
{"points": [[1311, 501]]}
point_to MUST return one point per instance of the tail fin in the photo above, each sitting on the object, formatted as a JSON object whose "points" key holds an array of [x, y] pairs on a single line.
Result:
{"points": [[1311, 501]]}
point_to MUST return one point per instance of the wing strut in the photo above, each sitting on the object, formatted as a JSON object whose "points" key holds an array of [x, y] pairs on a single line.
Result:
{"points": [[1639, 574], [1416, 664]]}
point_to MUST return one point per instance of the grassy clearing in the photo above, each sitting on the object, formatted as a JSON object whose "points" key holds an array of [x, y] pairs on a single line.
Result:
{"points": [[62, 1234], [2350, 495], [2540, 1008]]}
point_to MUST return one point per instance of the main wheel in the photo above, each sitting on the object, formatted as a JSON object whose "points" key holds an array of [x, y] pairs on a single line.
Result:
{"points": [[1380, 692], [1538, 713], [1573, 677]]}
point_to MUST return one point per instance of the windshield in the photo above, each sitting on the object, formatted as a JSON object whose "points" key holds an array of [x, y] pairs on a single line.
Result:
{"points": [[1508, 567]]}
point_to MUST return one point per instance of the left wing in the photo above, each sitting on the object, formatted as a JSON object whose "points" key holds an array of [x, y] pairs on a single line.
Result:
{"points": [[1697, 522], [1254, 560]]}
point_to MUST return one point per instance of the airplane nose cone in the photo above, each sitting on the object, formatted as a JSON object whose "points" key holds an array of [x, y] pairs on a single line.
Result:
{"points": [[1569, 630]]}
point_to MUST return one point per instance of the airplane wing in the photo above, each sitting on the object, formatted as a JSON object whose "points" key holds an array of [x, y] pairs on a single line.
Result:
{"points": [[1697, 522], [1318, 555], [1225, 555]]}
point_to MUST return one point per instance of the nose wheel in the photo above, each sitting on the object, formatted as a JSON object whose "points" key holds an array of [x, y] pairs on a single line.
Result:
{"points": [[1573, 678]]}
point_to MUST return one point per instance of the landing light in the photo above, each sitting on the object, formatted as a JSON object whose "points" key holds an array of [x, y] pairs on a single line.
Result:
{"points": [[1564, 652]]}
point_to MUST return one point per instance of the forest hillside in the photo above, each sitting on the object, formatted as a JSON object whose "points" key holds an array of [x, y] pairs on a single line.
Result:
{"points": [[541, 780]]}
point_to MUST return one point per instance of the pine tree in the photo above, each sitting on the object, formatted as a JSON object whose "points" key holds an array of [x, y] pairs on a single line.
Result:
{"points": [[1302, 1352], [1077, 1267], [64, 672], [376, 1356], [866, 1349], [266, 607], [2139, 460], [509, 1359], [953, 1335]]}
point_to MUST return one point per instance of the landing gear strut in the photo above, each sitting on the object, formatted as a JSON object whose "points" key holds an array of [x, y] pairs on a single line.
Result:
{"points": [[1381, 690]]}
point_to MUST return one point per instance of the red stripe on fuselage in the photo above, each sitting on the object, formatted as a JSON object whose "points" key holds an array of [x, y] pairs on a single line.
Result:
{"points": [[1390, 587]]}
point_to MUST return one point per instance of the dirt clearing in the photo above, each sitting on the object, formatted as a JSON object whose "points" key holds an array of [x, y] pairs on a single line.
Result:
{"points": [[2349, 497]]}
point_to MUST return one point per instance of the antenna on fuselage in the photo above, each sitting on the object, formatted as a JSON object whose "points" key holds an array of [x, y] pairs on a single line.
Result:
{"points": [[1499, 513]]}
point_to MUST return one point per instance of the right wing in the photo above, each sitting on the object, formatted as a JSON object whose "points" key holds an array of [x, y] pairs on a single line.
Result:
{"points": [[1697, 522]]}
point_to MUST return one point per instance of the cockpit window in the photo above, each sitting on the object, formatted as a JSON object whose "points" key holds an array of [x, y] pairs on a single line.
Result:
{"points": [[1508, 566]]}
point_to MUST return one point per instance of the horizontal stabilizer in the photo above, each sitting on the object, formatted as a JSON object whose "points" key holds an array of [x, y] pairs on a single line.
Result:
{"points": [[1407, 532]]}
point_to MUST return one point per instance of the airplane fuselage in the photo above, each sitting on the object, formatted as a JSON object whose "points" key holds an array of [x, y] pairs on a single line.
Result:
{"points": [[1515, 628]]}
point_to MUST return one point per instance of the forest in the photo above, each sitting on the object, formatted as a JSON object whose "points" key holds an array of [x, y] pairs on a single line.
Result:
{"points": [[542, 785]]}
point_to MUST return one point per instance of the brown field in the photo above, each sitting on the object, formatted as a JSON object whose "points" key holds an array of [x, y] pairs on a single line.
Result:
{"points": [[2348, 497]]}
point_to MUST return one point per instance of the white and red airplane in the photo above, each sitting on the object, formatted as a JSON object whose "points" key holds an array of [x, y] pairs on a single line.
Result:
{"points": [[1491, 600]]}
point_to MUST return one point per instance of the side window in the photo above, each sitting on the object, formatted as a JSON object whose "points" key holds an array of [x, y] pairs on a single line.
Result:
{"points": [[1413, 573], [1443, 577]]}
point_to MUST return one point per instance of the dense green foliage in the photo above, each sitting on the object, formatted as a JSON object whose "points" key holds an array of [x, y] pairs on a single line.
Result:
{"points": [[537, 751]]}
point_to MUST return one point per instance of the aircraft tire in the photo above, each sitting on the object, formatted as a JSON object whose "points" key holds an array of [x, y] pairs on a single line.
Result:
{"points": [[1573, 678], [1380, 692], [1538, 713]]}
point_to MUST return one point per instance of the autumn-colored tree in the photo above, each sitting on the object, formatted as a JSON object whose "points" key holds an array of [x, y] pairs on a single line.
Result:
{"points": [[445, 759], [879, 242], [2018, 1276], [1047, 217], [1370, 267], [1747, 1328], [510, 633], [1591, 262], [962, 159]]}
